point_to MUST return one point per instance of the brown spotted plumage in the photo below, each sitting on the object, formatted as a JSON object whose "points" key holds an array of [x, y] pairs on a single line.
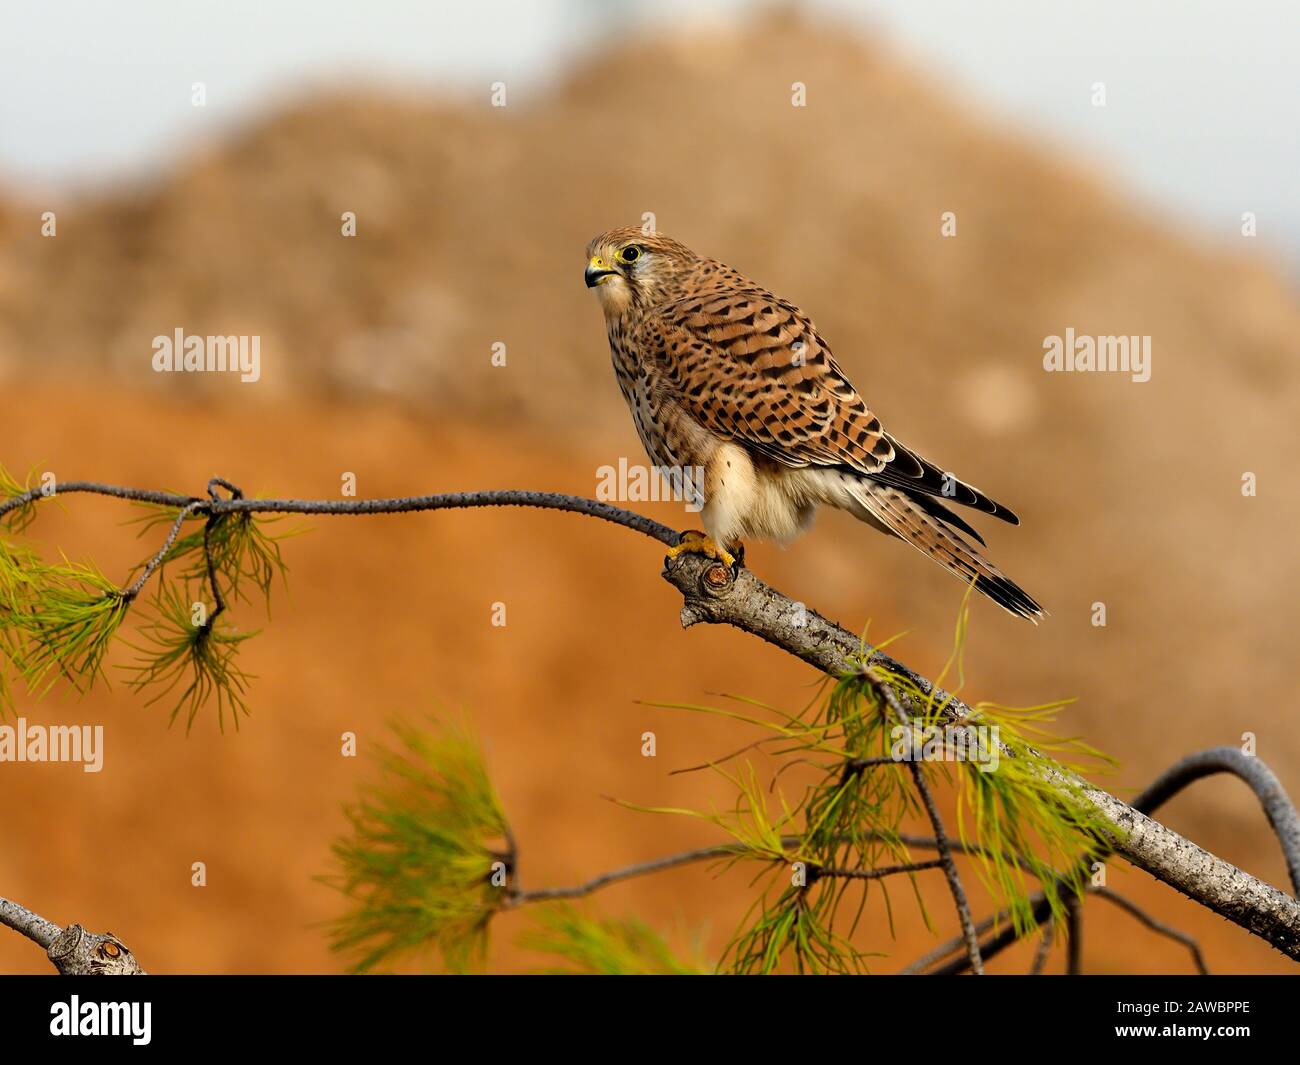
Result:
{"points": [[721, 374]]}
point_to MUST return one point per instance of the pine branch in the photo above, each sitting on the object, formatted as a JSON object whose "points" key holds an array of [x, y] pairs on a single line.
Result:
{"points": [[629, 872], [1263, 782], [958, 942], [1281, 813], [136, 586], [505, 497], [932, 812], [72, 950], [1159, 927], [717, 595], [1045, 939], [704, 854], [1074, 936]]}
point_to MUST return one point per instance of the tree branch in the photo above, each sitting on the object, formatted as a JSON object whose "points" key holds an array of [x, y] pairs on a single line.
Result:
{"points": [[1159, 927], [1073, 936], [1044, 948], [25, 922], [715, 594], [73, 950], [1272, 796], [941, 837], [237, 504], [656, 865], [704, 854]]}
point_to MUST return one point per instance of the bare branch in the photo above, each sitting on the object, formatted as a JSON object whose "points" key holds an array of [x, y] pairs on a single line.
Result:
{"points": [[1073, 935], [1045, 940], [72, 950], [138, 584], [882, 872], [714, 594], [1155, 925], [25, 922], [941, 837], [656, 865], [505, 497], [218, 600], [1272, 796], [704, 854], [956, 943]]}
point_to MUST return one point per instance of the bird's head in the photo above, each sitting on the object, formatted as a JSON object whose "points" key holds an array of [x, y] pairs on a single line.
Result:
{"points": [[631, 269]]}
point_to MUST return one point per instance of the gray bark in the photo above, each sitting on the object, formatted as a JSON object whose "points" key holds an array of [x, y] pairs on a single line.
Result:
{"points": [[714, 594], [72, 950]]}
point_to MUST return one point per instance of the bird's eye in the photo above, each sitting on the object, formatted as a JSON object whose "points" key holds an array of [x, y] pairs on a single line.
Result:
{"points": [[630, 254]]}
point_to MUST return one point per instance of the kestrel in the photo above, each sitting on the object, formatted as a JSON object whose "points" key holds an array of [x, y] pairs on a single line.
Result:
{"points": [[722, 375]]}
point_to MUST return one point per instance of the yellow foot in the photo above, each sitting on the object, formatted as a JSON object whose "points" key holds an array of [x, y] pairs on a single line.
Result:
{"points": [[697, 543]]}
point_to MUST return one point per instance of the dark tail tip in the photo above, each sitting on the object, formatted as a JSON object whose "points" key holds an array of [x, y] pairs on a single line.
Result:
{"points": [[1010, 596]]}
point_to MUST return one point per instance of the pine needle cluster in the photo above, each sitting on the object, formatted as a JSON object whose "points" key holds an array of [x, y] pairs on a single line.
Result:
{"points": [[418, 866], [59, 621]]}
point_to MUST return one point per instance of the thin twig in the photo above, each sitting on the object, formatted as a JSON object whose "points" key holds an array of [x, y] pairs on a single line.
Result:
{"points": [[958, 942], [1073, 935], [941, 837], [220, 482], [138, 584], [880, 873], [656, 865], [726, 757], [1045, 941], [1157, 926], [505, 497], [703, 854], [218, 600], [950, 871], [1040, 911]]}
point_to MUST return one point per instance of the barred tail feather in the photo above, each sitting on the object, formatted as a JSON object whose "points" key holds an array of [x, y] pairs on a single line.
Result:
{"points": [[925, 529]]}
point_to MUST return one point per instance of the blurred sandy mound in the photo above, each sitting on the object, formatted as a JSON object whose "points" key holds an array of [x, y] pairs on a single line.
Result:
{"points": [[471, 223]]}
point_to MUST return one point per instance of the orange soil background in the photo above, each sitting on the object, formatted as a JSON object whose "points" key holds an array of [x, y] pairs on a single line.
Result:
{"points": [[376, 360]]}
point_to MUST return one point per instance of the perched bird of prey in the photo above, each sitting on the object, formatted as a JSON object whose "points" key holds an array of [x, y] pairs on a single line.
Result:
{"points": [[722, 375]]}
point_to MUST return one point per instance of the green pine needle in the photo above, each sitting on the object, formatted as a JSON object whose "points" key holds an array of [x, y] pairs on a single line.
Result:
{"points": [[1026, 831], [23, 515], [56, 621], [196, 660], [244, 552], [418, 865], [603, 947]]}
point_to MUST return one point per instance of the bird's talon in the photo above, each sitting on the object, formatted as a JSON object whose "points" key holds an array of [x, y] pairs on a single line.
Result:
{"points": [[697, 543]]}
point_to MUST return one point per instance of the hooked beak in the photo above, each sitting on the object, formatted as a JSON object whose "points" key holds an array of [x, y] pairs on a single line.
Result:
{"points": [[597, 270]]}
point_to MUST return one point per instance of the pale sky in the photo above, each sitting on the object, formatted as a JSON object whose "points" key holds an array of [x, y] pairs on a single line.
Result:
{"points": [[1203, 98]]}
